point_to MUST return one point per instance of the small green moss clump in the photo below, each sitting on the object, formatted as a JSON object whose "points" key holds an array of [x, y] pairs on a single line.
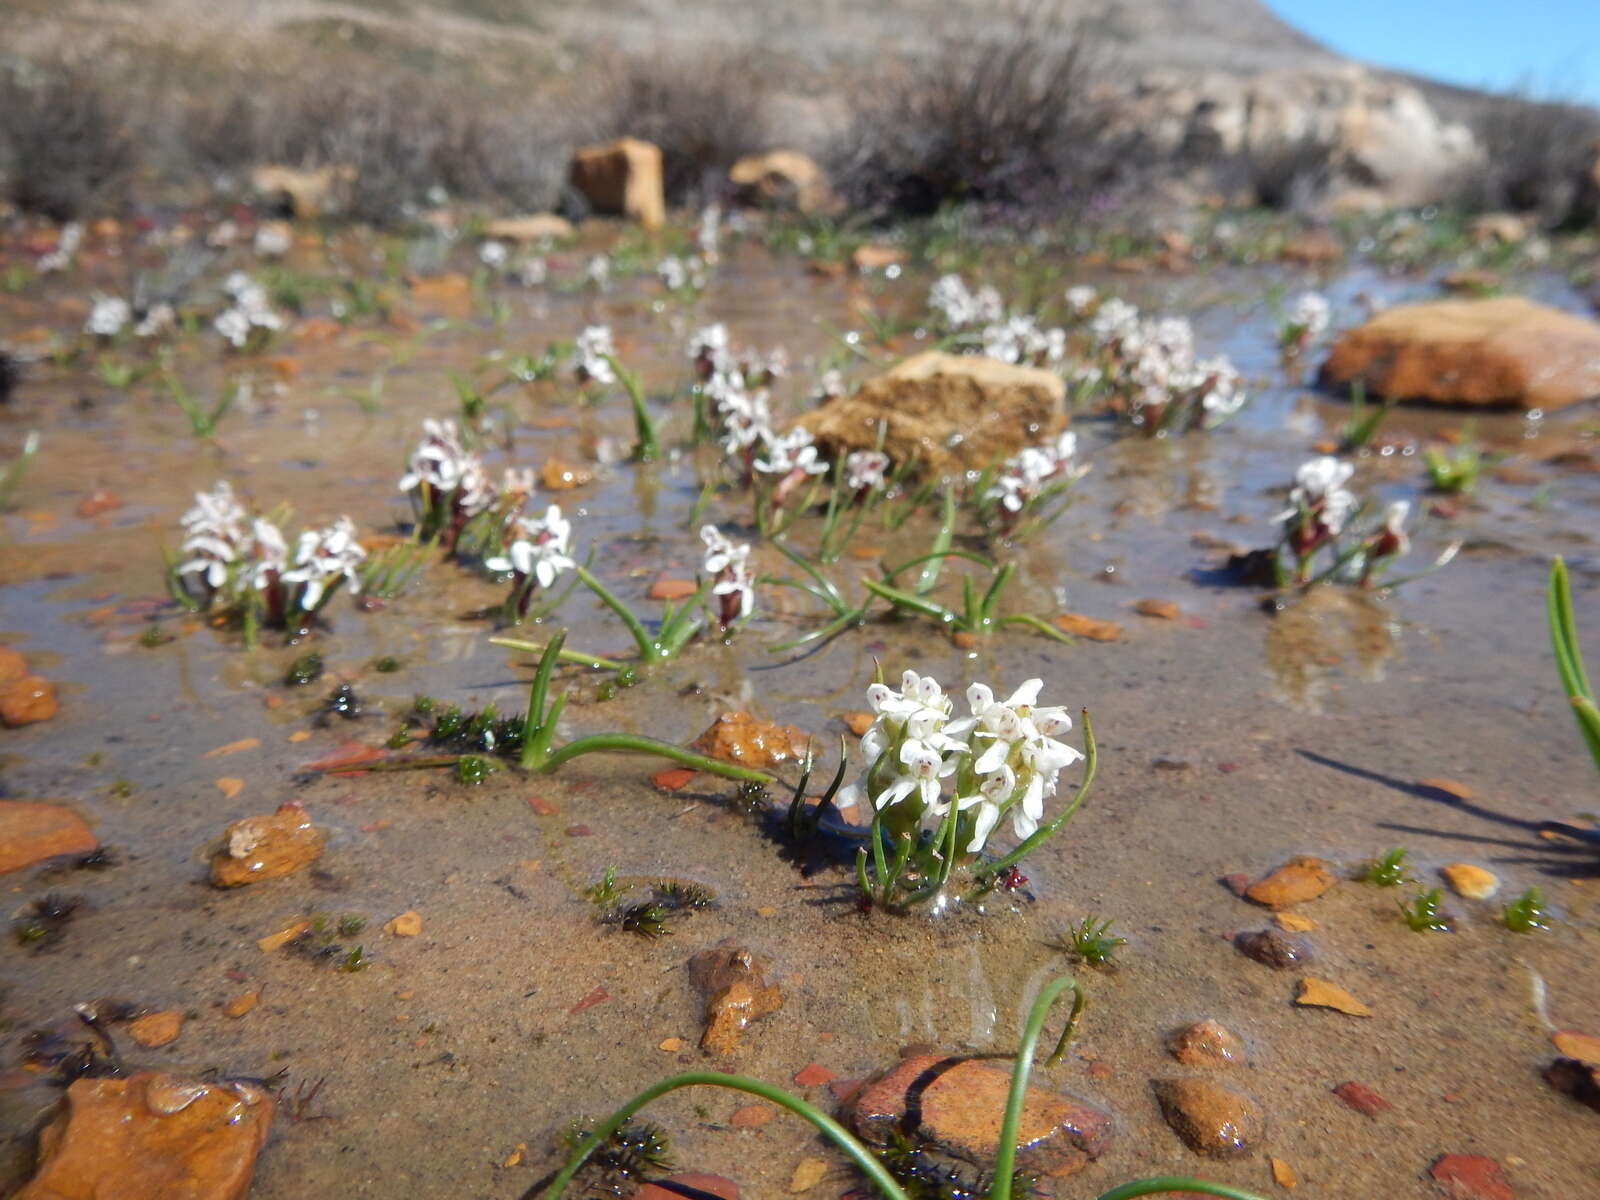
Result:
{"points": [[306, 669], [473, 769], [1423, 914], [620, 1163], [387, 665], [1389, 869], [1091, 941], [1526, 913], [154, 636], [650, 917]]}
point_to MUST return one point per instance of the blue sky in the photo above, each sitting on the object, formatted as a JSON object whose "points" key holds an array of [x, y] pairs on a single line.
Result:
{"points": [[1554, 45]]}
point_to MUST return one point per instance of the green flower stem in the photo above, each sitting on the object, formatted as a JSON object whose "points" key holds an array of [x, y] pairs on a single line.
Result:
{"points": [[941, 544], [899, 599], [1046, 831], [836, 1133], [970, 556], [1044, 627], [571, 656], [853, 617], [1569, 657], [1005, 1162], [1175, 1183], [631, 743], [641, 637], [992, 596], [646, 447]]}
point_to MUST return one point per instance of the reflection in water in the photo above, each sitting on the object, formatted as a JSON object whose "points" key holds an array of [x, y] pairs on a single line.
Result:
{"points": [[1324, 629]]}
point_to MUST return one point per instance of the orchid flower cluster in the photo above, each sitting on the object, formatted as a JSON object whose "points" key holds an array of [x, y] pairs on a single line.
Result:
{"points": [[977, 321], [733, 585], [937, 787], [730, 395], [240, 563], [1324, 517], [110, 316], [249, 322], [455, 501], [684, 276], [1306, 320], [1026, 482], [68, 242], [538, 550], [1150, 366], [592, 353]]}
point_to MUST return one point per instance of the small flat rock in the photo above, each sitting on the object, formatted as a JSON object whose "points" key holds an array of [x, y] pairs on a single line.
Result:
{"points": [[813, 1075], [156, 1029], [734, 983], [1319, 993], [1163, 610], [534, 227], [406, 924], [1211, 1119], [1096, 630], [27, 701], [857, 721], [241, 1004], [739, 737], [34, 830], [266, 847], [559, 476], [1475, 883], [1283, 1174], [277, 941], [1450, 787], [1206, 1043], [12, 665], [1362, 1098], [1292, 922], [807, 1174], [1297, 881], [957, 1105], [687, 1184], [1585, 1047], [752, 1116], [1470, 1177], [673, 589], [152, 1136], [1274, 948]]}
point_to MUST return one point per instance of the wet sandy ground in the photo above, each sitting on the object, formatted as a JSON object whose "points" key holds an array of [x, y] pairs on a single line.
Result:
{"points": [[1230, 740]]}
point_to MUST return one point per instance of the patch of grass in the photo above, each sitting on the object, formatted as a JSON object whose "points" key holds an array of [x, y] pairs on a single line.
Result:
{"points": [[65, 147], [1423, 914], [1389, 869], [1526, 913]]}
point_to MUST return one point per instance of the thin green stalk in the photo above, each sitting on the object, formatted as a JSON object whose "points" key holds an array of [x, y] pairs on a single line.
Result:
{"points": [[11, 475], [1569, 657], [970, 556], [1175, 1183], [1005, 1162], [899, 599], [836, 1133], [632, 743], [537, 730], [641, 636], [838, 624], [1046, 831], [1044, 627], [571, 656], [941, 544], [646, 447]]}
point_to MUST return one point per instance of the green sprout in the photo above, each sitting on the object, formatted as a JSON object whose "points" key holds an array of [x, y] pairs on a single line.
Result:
{"points": [[1569, 659], [605, 892], [1526, 913], [306, 669], [388, 573], [629, 1153], [203, 421], [646, 445], [1453, 472], [1389, 869], [12, 472], [678, 625], [1364, 420], [1091, 941], [473, 769], [154, 636], [1422, 915], [354, 959], [594, 1141]]}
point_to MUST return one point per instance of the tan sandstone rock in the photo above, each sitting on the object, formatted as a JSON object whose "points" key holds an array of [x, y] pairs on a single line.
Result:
{"points": [[1501, 352], [266, 847], [784, 179], [949, 412], [307, 194], [622, 178], [27, 700], [32, 831], [535, 227], [738, 737], [957, 1104], [152, 1136], [1211, 1119]]}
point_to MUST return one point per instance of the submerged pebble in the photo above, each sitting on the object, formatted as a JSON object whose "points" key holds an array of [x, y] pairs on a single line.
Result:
{"points": [[1274, 947], [1211, 1119]]}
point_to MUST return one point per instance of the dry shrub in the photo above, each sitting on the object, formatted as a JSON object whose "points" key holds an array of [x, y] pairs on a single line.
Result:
{"points": [[1011, 118], [705, 113], [1293, 174], [404, 136], [1540, 156], [65, 150]]}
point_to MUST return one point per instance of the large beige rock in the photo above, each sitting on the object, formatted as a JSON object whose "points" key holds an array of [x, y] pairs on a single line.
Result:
{"points": [[152, 1136], [32, 831], [1503, 352], [785, 179], [535, 227], [622, 178], [950, 412], [307, 194]]}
